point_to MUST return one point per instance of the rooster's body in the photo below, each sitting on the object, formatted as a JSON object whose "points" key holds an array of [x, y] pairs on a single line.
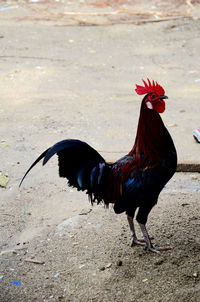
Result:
{"points": [[135, 180]]}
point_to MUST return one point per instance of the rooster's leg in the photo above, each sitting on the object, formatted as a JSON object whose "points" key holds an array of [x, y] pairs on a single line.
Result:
{"points": [[150, 246], [132, 228]]}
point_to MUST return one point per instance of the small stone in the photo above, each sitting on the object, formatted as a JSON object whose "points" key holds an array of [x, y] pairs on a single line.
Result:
{"points": [[3, 180], [119, 263], [159, 262], [56, 275], [172, 125], [185, 204], [195, 275], [145, 280], [193, 176], [108, 265], [102, 268]]}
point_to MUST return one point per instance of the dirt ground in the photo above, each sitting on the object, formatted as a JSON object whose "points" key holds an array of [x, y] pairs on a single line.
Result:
{"points": [[87, 254], [63, 77]]}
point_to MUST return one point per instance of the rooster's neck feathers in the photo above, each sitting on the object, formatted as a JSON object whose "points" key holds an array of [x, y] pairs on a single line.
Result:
{"points": [[151, 138]]}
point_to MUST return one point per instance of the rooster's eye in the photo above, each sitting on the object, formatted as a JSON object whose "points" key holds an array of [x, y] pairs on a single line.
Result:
{"points": [[153, 96]]}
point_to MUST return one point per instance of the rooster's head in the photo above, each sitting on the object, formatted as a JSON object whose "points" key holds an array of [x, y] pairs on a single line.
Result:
{"points": [[155, 95]]}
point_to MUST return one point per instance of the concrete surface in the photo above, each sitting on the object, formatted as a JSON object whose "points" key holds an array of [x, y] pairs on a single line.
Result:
{"points": [[87, 75]]}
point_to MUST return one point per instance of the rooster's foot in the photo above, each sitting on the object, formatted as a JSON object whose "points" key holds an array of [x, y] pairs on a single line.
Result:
{"points": [[139, 241], [157, 249], [152, 247]]}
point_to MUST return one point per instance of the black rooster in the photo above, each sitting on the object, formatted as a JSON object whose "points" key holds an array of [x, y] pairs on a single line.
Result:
{"points": [[134, 181]]}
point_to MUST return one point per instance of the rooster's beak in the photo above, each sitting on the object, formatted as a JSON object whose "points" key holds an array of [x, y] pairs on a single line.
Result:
{"points": [[162, 97]]}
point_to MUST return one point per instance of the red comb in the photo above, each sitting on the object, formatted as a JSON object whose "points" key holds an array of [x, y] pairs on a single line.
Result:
{"points": [[150, 87]]}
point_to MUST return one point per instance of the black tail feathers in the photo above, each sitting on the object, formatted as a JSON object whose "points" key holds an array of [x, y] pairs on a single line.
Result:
{"points": [[82, 165], [35, 162]]}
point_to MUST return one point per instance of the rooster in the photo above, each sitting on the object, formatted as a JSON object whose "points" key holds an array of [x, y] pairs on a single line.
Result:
{"points": [[134, 181]]}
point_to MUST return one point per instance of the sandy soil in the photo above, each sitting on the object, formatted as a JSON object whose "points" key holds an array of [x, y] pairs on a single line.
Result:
{"points": [[57, 82], [86, 251]]}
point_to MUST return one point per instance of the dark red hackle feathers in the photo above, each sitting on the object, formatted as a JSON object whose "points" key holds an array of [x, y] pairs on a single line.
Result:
{"points": [[149, 131]]}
